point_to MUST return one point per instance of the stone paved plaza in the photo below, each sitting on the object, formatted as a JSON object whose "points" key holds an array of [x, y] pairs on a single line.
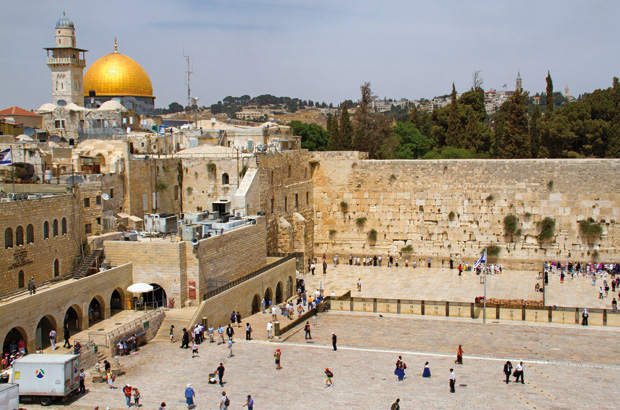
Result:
{"points": [[566, 367], [441, 284]]}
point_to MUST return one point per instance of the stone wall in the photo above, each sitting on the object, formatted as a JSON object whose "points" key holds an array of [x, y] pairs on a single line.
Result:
{"points": [[146, 177], [91, 204], [454, 208], [36, 259], [203, 183]]}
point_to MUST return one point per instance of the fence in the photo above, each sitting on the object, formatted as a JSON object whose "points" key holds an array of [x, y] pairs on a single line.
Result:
{"points": [[563, 315], [106, 339]]}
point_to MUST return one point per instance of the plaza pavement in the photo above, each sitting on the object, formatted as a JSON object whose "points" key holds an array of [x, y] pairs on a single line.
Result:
{"points": [[566, 367]]}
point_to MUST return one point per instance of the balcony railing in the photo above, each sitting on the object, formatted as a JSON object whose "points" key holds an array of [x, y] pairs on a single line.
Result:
{"points": [[75, 61]]}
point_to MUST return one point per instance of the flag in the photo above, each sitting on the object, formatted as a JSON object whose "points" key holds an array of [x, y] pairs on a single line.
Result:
{"points": [[481, 260], [505, 85], [5, 157]]}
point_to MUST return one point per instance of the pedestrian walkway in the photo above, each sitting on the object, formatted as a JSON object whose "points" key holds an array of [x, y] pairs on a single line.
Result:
{"points": [[180, 318]]}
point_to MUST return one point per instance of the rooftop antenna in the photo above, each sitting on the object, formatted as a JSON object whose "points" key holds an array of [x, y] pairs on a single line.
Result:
{"points": [[189, 98]]}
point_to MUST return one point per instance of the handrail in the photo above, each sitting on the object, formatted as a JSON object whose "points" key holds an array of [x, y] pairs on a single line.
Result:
{"points": [[247, 277]]}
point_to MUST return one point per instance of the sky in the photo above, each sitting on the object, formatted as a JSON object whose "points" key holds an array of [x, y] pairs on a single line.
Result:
{"points": [[320, 50]]}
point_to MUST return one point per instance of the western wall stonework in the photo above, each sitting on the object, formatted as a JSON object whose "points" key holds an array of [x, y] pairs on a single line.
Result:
{"points": [[455, 208]]}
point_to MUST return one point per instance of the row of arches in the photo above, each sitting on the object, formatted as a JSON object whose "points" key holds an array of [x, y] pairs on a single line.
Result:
{"points": [[29, 237], [272, 298]]}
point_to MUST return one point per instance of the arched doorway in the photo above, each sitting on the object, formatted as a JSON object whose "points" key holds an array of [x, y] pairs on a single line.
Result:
{"points": [[289, 287], [96, 311], [72, 319], [279, 293], [15, 339], [42, 334], [256, 304], [268, 297], [156, 298], [21, 281], [56, 268], [116, 301]]}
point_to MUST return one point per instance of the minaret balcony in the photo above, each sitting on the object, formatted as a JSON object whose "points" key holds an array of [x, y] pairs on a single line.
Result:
{"points": [[63, 61]]}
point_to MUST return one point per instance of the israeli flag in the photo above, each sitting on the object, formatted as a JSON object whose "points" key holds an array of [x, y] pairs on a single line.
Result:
{"points": [[481, 260], [5, 157]]}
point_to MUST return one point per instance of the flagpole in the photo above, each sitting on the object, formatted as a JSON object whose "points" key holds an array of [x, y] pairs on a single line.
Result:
{"points": [[484, 311], [13, 169]]}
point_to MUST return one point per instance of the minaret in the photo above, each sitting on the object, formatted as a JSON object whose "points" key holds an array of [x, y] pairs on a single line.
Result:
{"points": [[566, 91], [519, 85], [67, 63]]}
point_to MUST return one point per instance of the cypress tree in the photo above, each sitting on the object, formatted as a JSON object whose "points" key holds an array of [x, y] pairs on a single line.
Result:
{"points": [[535, 132], [413, 116], [345, 135], [473, 138], [515, 140], [454, 122], [334, 135], [549, 99]]}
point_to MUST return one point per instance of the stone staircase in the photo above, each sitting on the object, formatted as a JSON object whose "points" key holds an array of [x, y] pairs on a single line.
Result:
{"points": [[180, 318], [88, 263]]}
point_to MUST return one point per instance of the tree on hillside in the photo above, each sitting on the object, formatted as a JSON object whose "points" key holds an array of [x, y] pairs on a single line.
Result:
{"points": [[549, 99], [334, 134], [534, 132], [371, 131], [473, 134], [413, 116], [345, 136], [313, 136], [453, 136], [412, 144], [514, 140]]}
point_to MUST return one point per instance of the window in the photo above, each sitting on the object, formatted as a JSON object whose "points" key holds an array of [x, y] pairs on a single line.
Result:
{"points": [[289, 171], [55, 227], [145, 202], [307, 198], [64, 226], [98, 221], [56, 268], [59, 124], [296, 201], [272, 202], [98, 200], [225, 179], [111, 193], [8, 238], [88, 228], [285, 204], [21, 283], [176, 192], [30, 234], [46, 230], [272, 176], [19, 236], [86, 202]]}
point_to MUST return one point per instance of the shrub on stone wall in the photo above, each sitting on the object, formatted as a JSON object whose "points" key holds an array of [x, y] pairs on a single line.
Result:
{"points": [[332, 233], [407, 249], [361, 221], [161, 186], [546, 229], [344, 207], [372, 235], [451, 216], [590, 229]]}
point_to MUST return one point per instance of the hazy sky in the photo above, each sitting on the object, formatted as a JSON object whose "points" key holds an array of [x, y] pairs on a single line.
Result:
{"points": [[320, 49]]}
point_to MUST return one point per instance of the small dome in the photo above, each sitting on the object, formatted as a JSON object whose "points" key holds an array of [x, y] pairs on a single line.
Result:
{"points": [[64, 22], [47, 107], [112, 105]]}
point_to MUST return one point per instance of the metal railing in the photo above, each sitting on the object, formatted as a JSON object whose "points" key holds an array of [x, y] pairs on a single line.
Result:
{"points": [[104, 338], [247, 277]]}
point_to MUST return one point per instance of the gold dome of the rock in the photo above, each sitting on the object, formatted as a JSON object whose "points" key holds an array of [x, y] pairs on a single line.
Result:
{"points": [[117, 75]]}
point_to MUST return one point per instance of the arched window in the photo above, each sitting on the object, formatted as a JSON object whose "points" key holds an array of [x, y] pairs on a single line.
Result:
{"points": [[225, 179], [8, 238], [30, 234], [46, 230], [20, 280], [56, 268], [289, 171], [55, 227], [63, 225], [19, 236]]}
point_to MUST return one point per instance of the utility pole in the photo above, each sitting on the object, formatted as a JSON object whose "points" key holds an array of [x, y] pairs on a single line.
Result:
{"points": [[189, 98]]}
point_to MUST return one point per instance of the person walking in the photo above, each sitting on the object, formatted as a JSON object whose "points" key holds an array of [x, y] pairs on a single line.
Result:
{"points": [[185, 339], [269, 330], [584, 316], [427, 370], [395, 405], [238, 317], [307, 330], [249, 402], [31, 286], [230, 332], [359, 285], [171, 333], [334, 341], [459, 355], [220, 373], [278, 355], [189, 396], [274, 313], [194, 349], [136, 397], [224, 402], [53, 339], [127, 393], [519, 373], [507, 370], [452, 381], [329, 374], [324, 268], [429, 262], [248, 331], [67, 335], [82, 381]]}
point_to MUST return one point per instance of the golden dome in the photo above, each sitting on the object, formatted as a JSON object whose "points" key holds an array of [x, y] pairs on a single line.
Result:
{"points": [[117, 75]]}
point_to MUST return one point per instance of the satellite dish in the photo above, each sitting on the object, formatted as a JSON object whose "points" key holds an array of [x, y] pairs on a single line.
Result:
{"points": [[29, 131], [61, 103], [105, 197]]}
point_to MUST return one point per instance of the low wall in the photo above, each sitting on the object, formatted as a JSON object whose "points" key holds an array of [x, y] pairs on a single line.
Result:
{"points": [[562, 315]]}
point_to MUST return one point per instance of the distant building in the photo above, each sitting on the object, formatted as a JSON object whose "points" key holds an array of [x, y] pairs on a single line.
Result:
{"points": [[519, 82]]}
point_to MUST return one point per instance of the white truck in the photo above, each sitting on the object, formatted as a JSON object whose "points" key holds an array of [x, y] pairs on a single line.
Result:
{"points": [[47, 376], [9, 396]]}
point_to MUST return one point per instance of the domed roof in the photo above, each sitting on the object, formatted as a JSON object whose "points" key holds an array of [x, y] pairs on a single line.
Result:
{"points": [[117, 75], [64, 22]]}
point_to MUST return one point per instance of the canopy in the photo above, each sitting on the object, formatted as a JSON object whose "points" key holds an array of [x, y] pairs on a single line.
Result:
{"points": [[140, 288]]}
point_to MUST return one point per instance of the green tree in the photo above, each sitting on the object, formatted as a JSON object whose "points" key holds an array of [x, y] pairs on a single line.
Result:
{"points": [[514, 141], [345, 135], [412, 144], [334, 135], [473, 134], [313, 136], [372, 132], [414, 118], [534, 132], [453, 136], [549, 97]]}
